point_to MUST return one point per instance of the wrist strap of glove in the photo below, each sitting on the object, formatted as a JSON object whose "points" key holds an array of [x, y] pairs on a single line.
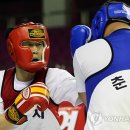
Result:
{"points": [[14, 116]]}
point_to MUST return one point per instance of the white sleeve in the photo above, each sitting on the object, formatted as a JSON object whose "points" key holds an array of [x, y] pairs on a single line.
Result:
{"points": [[1, 106], [1, 100], [89, 59], [62, 86], [1, 79], [80, 78]]}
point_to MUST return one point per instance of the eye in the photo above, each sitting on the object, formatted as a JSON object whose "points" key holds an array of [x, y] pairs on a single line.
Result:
{"points": [[27, 44], [39, 44]]}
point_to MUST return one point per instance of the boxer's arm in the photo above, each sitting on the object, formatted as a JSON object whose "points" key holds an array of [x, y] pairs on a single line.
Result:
{"points": [[82, 96], [80, 34], [4, 124], [80, 79]]}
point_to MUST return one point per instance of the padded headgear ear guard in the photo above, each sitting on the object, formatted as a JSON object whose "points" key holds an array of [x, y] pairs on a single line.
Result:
{"points": [[22, 56], [110, 11]]}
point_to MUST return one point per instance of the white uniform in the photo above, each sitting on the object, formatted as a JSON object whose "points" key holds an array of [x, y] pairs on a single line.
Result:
{"points": [[102, 70], [62, 87]]}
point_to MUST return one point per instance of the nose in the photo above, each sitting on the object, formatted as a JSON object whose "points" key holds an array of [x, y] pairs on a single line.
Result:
{"points": [[34, 49]]}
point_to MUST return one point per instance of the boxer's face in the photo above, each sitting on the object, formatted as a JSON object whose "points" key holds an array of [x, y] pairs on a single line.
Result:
{"points": [[37, 48]]}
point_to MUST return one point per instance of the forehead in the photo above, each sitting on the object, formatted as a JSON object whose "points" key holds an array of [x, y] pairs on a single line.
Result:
{"points": [[33, 42]]}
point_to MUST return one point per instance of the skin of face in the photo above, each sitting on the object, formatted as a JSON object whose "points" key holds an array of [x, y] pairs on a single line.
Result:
{"points": [[37, 48]]}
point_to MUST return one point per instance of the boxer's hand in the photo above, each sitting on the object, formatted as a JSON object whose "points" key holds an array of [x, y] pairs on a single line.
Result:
{"points": [[32, 97], [80, 34]]}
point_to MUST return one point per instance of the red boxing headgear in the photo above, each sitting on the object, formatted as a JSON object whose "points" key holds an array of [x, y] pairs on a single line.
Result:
{"points": [[22, 56]]}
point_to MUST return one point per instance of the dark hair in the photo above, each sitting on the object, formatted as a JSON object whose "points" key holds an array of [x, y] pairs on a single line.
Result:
{"points": [[7, 32], [21, 23]]}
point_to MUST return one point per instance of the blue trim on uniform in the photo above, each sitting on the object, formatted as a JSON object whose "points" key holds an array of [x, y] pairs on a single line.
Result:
{"points": [[119, 42]]}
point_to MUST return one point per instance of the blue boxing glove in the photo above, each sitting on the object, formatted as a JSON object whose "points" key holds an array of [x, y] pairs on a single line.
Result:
{"points": [[80, 34]]}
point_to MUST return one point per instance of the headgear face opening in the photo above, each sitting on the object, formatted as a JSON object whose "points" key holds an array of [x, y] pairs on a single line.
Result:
{"points": [[111, 11], [23, 56]]}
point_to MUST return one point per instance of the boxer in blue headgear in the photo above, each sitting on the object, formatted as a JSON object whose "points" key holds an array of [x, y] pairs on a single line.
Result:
{"points": [[102, 69], [109, 12]]}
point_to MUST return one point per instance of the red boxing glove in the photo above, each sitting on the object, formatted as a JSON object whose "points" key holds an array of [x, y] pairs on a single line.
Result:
{"points": [[32, 97]]}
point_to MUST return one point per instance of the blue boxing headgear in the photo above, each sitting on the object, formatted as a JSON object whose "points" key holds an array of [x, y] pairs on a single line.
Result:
{"points": [[111, 11]]}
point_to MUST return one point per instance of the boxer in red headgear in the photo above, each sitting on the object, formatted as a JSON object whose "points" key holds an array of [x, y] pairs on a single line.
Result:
{"points": [[30, 89], [22, 56]]}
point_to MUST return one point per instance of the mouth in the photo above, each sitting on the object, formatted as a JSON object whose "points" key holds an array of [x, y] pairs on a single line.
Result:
{"points": [[35, 60]]}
